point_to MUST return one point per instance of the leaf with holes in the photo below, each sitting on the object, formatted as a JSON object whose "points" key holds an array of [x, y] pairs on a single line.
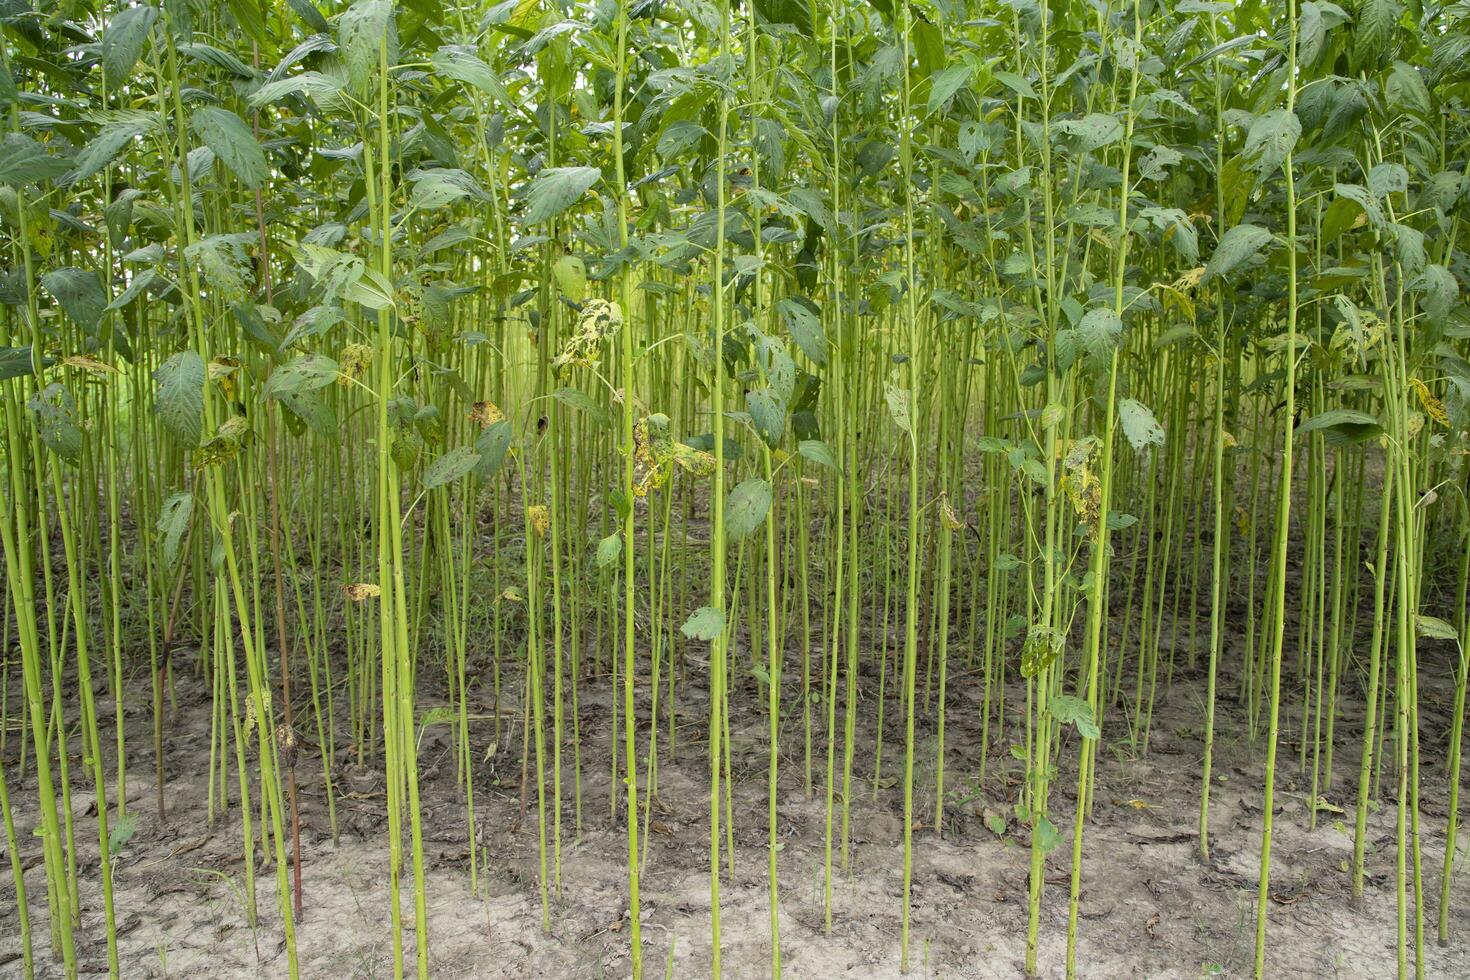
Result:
{"points": [[1139, 424], [179, 400], [747, 507]]}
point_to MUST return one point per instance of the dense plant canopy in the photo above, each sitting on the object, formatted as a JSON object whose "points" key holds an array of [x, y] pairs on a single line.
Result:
{"points": [[431, 364]]}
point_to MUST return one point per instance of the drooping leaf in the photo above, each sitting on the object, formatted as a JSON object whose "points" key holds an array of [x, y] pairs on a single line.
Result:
{"points": [[1374, 26], [747, 507], [555, 189], [1438, 291], [818, 452], [173, 522], [449, 467], [308, 410], [109, 142], [232, 143], [945, 85], [609, 549], [362, 30], [1139, 424], [491, 444], [24, 161], [15, 362], [439, 188], [1093, 341], [1237, 245], [1093, 131], [79, 293], [768, 413], [582, 402], [55, 411], [310, 83], [1434, 628], [1048, 838], [180, 397], [898, 406], [570, 273], [306, 373], [705, 623], [1041, 649], [123, 41], [463, 65], [804, 320], [1341, 426], [1271, 137], [1069, 710]]}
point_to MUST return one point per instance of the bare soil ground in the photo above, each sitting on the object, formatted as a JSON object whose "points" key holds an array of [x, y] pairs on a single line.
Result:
{"points": [[1150, 907]]}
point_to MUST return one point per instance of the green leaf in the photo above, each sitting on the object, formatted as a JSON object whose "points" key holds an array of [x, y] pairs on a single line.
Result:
{"points": [[1271, 137], [1042, 647], [818, 452], [1238, 244], [450, 467], [582, 402], [311, 83], [1068, 710], [121, 831], [491, 444], [609, 549], [1438, 291], [15, 362], [1434, 628], [1093, 131], [24, 161], [898, 406], [804, 320], [56, 417], [555, 189], [1093, 340], [361, 31], [123, 42], [462, 65], [306, 373], [705, 623], [1374, 26], [180, 398], [1139, 424], [308, 409], [79, 293], [768, 413], [173, 522], [1047, 835], [109, 142], [232, 143], [570, 273], [747, 507], [1341, 426], [947, 84]]}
